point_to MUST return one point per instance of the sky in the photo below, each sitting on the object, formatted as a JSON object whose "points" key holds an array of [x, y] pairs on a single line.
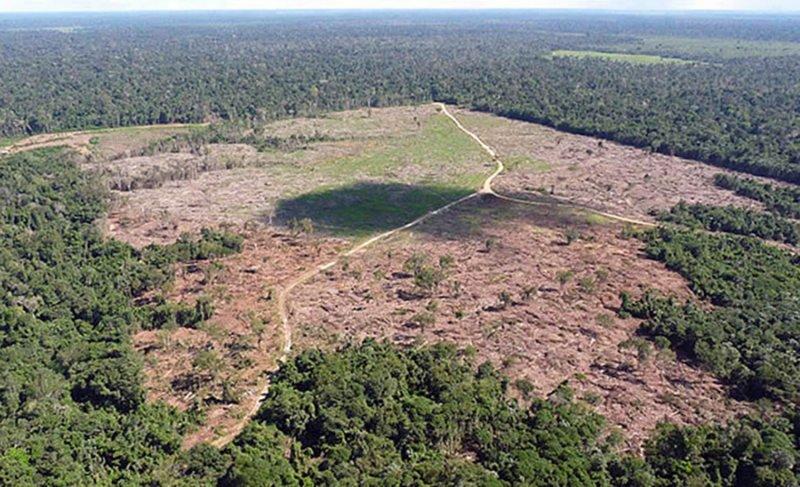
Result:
{"points": [[127, 5]]}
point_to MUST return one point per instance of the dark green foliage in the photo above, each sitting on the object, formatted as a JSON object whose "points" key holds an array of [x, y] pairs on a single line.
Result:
{"points": [[71, 401], [378, 415], [754, 348], [751, 339], [747, 452], [738, 112], [783, 200], [166, 314], [71, 398], [731, 219], [728, 270], [211, 244]]}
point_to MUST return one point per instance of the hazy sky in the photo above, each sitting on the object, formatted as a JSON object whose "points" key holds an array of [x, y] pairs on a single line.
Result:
{"points": [[104, 5]]}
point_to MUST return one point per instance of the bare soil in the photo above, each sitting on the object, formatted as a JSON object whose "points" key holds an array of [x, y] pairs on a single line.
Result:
{"points": [[597, 174], [533, 289], [538, 308], [244, 336], [98, 144]]}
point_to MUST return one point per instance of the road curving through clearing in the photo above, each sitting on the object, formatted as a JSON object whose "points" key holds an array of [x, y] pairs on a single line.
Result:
{"points": [[486, 189], [282, 304]]}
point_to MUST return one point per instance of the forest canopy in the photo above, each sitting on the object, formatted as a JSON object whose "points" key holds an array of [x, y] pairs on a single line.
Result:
{"points": [[734, 105]]}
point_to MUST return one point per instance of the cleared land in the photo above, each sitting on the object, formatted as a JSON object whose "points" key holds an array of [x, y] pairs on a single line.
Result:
{"points": [[533, 289], [219, 368], [372, 170], [99, 144], [621, 57], [540, 308], [606, 176]]}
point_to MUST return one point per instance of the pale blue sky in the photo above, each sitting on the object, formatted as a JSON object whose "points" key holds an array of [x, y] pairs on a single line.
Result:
{"points": [[107, 5]]}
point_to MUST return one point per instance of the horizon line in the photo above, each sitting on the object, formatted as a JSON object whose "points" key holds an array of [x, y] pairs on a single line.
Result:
{"points": [[412, 9]]}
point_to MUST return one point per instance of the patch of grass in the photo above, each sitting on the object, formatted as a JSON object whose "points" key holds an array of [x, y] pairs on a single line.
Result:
{"points": [[391, 184], [620, 57], [364, 208], [440, 153], [596, 219], [526, 163], [7, 141], [480, 121]]}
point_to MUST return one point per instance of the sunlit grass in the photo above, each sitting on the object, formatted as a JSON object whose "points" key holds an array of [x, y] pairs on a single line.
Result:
{"points": [[614, 56]]}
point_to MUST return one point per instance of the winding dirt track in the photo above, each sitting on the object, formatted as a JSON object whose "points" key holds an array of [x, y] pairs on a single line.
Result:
{"points": [[486, 189], [282, 299]]}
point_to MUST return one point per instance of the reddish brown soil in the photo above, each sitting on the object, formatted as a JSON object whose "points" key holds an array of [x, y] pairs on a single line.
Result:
{"points": [[243, 291], [540, 309], [597, 174], [551, 330]]}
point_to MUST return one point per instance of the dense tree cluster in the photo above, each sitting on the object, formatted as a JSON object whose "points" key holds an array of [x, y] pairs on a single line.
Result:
{"points": [[72, 407], [747, 452], [188, 248], [378, 415], [782, 200], [732, 219], [736, 112], [71, 400], [751, 338]]}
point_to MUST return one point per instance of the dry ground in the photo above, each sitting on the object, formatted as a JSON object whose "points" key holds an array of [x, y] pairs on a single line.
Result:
{"points": [[539, 309], [243, 338], [409, 147], [219, 368], [100, 144], [602, 175]]}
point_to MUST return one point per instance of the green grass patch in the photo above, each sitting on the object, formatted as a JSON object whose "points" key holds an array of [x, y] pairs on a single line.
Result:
{"points": [[393, 183], [362, 209], [7, 141], [597, 219], [526, 163], [440, 150], [621, 57]]}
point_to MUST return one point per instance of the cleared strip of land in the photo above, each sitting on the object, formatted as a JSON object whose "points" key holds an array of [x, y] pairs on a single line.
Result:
{"points": [[621, 57]]}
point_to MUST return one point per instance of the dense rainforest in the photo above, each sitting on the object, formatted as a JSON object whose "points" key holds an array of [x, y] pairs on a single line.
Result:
{"points": [[732, 219], [735, 104], [376, 415]]}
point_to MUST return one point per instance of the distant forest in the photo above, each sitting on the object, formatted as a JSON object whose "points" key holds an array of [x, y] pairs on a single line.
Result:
{"points": [[735, 104]]}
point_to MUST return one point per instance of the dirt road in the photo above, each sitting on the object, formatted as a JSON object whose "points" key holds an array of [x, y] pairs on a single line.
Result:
{"points": [[80, 140], [283, 296]]}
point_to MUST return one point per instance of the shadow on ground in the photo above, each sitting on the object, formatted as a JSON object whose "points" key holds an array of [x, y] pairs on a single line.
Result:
{"points": [[364, 208], [367, 208], [473, 218]]}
